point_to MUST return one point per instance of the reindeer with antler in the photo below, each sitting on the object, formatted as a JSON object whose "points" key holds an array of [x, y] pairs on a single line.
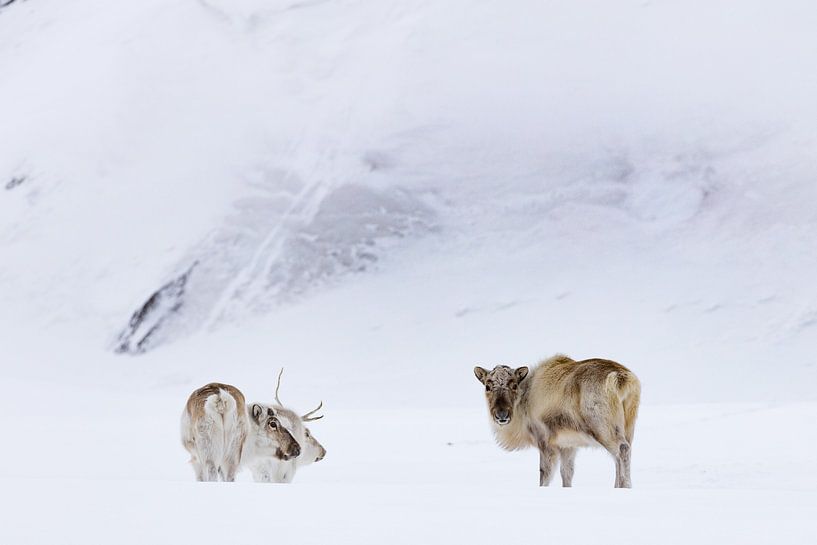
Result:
{"points": [[221, 433], [278, 470]]}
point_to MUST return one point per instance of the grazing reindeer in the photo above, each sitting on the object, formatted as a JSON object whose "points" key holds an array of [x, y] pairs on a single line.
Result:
{"points": [[562, 405], [276, 470], [220, 435]]}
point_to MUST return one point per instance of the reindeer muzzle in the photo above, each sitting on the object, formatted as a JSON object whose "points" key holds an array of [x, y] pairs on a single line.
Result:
{"points": [[502, 417]]}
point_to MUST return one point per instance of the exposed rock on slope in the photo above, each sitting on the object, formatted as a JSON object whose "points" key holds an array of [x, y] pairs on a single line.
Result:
{"points": [[277, 246]]}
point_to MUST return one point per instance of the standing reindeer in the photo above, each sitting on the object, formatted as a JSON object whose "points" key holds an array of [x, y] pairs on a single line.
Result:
{"points": [[562, 405], [276, 470], [221, 435]]}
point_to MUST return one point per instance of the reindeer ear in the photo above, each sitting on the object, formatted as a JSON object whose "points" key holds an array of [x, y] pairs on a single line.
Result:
{"points": [[256, 410], [480, 373], [520, 373]]}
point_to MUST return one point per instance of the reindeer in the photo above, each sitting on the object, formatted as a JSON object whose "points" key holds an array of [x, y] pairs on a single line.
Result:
{"points": [[563, 405], [276, 470], [221, 435]]}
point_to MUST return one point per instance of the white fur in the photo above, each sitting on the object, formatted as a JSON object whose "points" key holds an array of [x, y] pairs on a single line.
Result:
{"points": [[222, 435], [271, 469], [215, 439], [259, 449]]}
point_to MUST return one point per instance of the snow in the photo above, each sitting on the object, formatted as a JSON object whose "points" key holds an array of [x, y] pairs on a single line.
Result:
{"points": [[378, 196], [405, 514], [703, 474]]}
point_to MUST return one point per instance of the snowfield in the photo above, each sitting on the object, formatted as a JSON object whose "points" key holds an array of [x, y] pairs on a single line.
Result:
{"points": [[702, 474], [402, 514], [378, 196]]}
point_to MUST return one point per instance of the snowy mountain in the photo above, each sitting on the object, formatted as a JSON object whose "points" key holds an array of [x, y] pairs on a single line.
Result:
{"points": [[380, 195]]}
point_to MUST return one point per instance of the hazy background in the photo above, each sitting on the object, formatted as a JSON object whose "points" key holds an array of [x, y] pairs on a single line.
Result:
{"points": [[379, 196]]}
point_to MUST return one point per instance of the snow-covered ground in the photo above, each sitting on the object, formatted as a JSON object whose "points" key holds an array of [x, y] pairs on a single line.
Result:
{"points": [[378, 196]]}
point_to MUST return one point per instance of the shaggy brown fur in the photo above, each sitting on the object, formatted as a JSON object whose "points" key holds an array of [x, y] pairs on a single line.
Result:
{"points": [[562, 405]]}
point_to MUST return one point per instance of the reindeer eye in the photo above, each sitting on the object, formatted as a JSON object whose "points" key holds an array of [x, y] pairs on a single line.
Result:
{"points": [[273, 424]]}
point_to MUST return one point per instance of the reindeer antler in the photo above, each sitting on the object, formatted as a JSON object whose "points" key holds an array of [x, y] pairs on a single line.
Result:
{"points": [[308, 416], [277, 386]]}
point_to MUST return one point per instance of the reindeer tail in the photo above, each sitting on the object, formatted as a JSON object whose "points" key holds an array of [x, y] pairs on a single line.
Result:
{"points": [[625, 389]]}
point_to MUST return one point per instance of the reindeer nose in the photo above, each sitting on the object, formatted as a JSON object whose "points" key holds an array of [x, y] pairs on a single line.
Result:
{"points": [[502, 415], [322, 455]]}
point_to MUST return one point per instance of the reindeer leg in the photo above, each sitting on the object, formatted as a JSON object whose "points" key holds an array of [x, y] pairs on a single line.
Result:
{"points": [[212, 471], [619, 449], [567, 458], [547, 454], [625, 454], [612, 438], [230, 468], [205, 458], [547, 461], [198, 469], [229, 474]]}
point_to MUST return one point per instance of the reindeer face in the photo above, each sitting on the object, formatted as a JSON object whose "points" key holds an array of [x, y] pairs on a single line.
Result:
{"points": [[313, 451], [267, 421], [501, 390]]}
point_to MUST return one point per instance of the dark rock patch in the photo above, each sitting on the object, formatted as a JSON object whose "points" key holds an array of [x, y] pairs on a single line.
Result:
{"points": [[148, 320], [15, 181]]}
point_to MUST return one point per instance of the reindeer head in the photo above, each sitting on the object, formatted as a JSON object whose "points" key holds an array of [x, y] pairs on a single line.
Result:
{"points": [[267, 422], [312, 450], [501, 390]]}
